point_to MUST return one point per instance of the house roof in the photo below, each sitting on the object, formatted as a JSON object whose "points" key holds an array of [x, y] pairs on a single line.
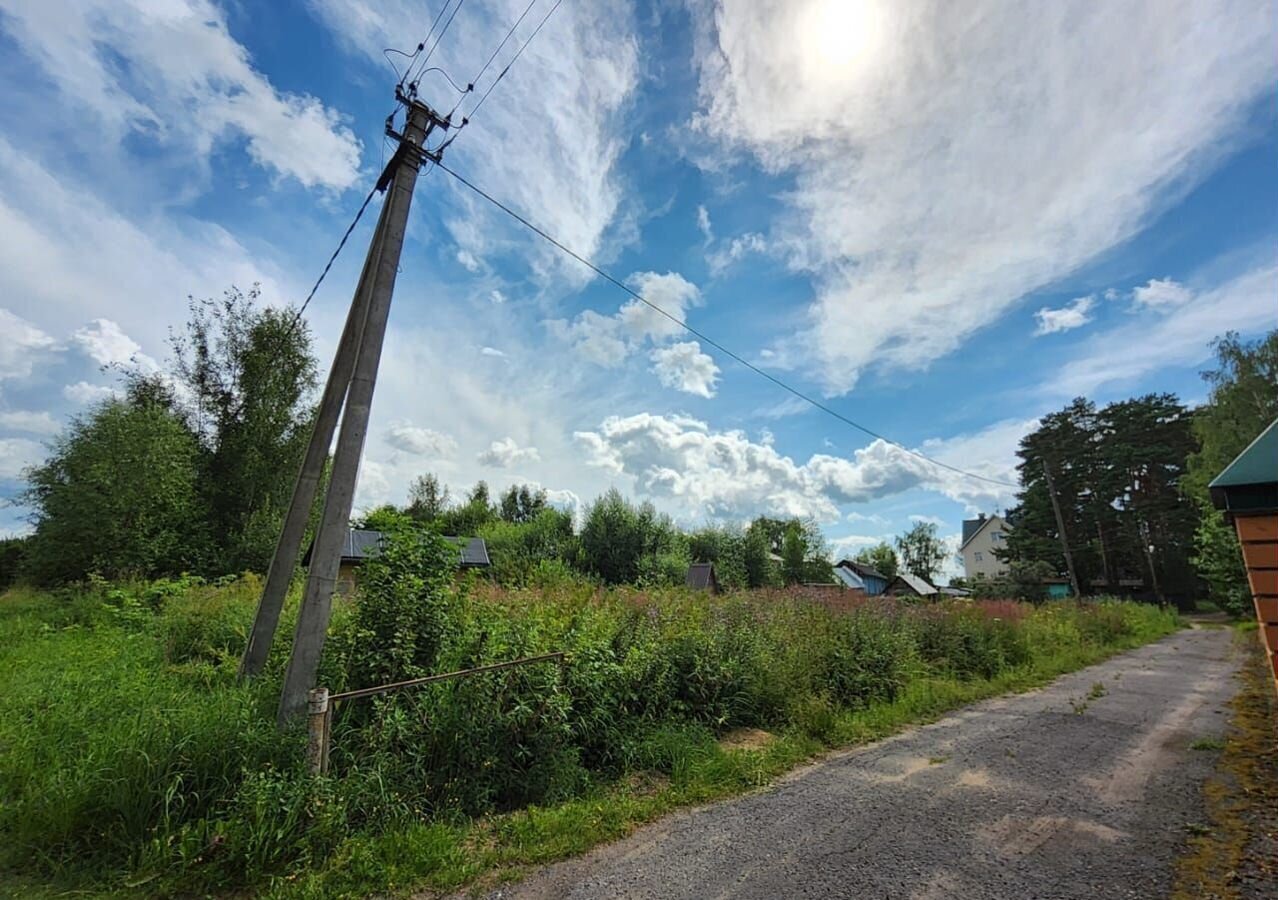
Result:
{"points": [[362, 543], [701, 577], [955, 592], [847, 576], [1250, 482], [860, 569], [973, 527], [919, 585]]}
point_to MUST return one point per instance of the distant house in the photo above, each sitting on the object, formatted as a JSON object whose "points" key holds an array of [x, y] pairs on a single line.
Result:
{"points": [[701, 577], [363, 543], [948, 591], [1057, 588], [907, 585], [862, 577], [981, 537]]}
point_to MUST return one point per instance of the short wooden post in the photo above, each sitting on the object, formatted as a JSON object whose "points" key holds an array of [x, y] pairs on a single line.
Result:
{"points": [[317, 714]]}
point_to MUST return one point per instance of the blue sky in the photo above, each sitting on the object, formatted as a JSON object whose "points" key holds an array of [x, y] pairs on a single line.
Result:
{"points": [[944, 219]]}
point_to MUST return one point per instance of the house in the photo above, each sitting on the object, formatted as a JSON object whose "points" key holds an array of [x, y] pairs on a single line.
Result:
{"points": [[981, 537], [959, 593], [907, 585], [1247, 493], [862, 577], [701, 577], [362, 543]]}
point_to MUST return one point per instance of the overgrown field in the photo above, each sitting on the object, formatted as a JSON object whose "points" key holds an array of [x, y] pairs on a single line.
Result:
{"points": [[132, 759]]}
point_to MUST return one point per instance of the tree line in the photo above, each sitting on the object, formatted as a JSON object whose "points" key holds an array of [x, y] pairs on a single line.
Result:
{"points": [[1130, 480]]}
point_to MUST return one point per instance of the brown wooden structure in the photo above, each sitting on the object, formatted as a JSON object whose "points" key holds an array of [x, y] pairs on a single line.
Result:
{"points": [[1247, 492]]}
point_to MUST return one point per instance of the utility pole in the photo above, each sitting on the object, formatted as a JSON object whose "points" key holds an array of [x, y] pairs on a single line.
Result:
{"points": [[348, 392], [1060, 530]]}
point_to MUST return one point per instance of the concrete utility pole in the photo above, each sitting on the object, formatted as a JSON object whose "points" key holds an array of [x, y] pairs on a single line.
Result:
{"points": [[348, 392], [1060, 529]]}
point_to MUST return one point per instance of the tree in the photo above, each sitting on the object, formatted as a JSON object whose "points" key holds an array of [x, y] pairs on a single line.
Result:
{"points": [[881, 558], [794, 551], [427, 498], [620, 541], [922, 551], [244, 376], [117, 496], [521, 503], [1242, 403]]}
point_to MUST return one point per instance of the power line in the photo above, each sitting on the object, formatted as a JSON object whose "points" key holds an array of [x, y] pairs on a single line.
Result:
{"points": [[514, 59], [438, 38], [340, 244], [807, 398], [474, 81]]}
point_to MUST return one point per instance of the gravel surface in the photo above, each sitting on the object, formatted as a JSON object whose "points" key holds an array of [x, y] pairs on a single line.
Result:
{"points": [[1073, 791]]}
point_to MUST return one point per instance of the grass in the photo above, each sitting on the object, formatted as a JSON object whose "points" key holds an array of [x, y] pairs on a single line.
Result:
{"points": [[132, 762]]}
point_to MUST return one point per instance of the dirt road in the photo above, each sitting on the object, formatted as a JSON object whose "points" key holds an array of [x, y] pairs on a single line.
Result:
{"points": [[1074, 791]]}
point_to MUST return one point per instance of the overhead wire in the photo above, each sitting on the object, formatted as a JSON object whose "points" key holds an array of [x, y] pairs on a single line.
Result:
{"points": [[438, 38], [509, 32], [805, 397], [502, 74]]}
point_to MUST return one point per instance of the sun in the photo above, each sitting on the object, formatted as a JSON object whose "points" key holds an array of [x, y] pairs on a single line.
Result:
{"points": [[839, 38]]}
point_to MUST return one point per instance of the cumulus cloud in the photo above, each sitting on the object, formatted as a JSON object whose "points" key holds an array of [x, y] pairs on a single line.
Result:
{"points": [[16, 454], [28, 421], [105, 342], [608, 340], [734, 250], [1162, 293], [685, 368], [723, 474], [1181, 335], [420, 441], [84, 393], [23, 344], [1073, 315], [173, 73], [949, 158], [506, 453]]}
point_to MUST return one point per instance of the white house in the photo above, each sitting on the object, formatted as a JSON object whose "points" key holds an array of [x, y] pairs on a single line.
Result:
{"points": [[981, 537]]}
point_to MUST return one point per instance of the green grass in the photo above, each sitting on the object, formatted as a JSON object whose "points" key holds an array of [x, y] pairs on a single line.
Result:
{"points": [[1207, 743], [133, 762]]}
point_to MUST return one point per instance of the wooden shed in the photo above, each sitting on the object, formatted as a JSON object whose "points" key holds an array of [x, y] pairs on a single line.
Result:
{"points": [[1247, 492]]}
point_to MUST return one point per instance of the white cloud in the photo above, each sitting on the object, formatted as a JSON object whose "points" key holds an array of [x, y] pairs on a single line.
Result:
{"points": [[563, 104], [1074, 315], [420, 441], [172, 75], [1180, 336], [930, 520], [16, 454], [703, 223], [723, 474], [492, 351], [497, 297], [506, 453], [847, 545], [22, 345], [685, 368], [30, 422], [83, 393], [608, 340], [751, 242], [1162, 293], [468, 261], [105, 342], [947, 159]]}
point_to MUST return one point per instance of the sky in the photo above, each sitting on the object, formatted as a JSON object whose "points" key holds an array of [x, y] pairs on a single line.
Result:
{"points": [[942, 220]]}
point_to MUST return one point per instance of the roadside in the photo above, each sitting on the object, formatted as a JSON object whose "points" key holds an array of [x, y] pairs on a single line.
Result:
{"points": [[1088, 788], [1235, 857]]}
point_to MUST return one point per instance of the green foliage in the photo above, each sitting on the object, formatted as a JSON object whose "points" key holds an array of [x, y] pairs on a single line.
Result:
{"points": [[616, 536], [117, 496], [1243, 401], [881, 558], [132, 752], [13, 557], [922, 552], [247, 373], [522, 553]]}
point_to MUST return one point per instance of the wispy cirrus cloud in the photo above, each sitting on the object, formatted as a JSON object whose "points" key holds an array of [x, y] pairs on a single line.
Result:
{"points": [[949, 158]]}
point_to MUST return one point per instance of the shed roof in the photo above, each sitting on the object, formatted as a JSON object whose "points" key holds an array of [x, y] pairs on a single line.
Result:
{"points": [[860, 569], [1250, 482], [362, 543], [919, 585]]}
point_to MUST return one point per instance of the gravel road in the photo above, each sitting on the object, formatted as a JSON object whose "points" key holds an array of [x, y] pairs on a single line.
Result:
{"points": [[1065, 792]]}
